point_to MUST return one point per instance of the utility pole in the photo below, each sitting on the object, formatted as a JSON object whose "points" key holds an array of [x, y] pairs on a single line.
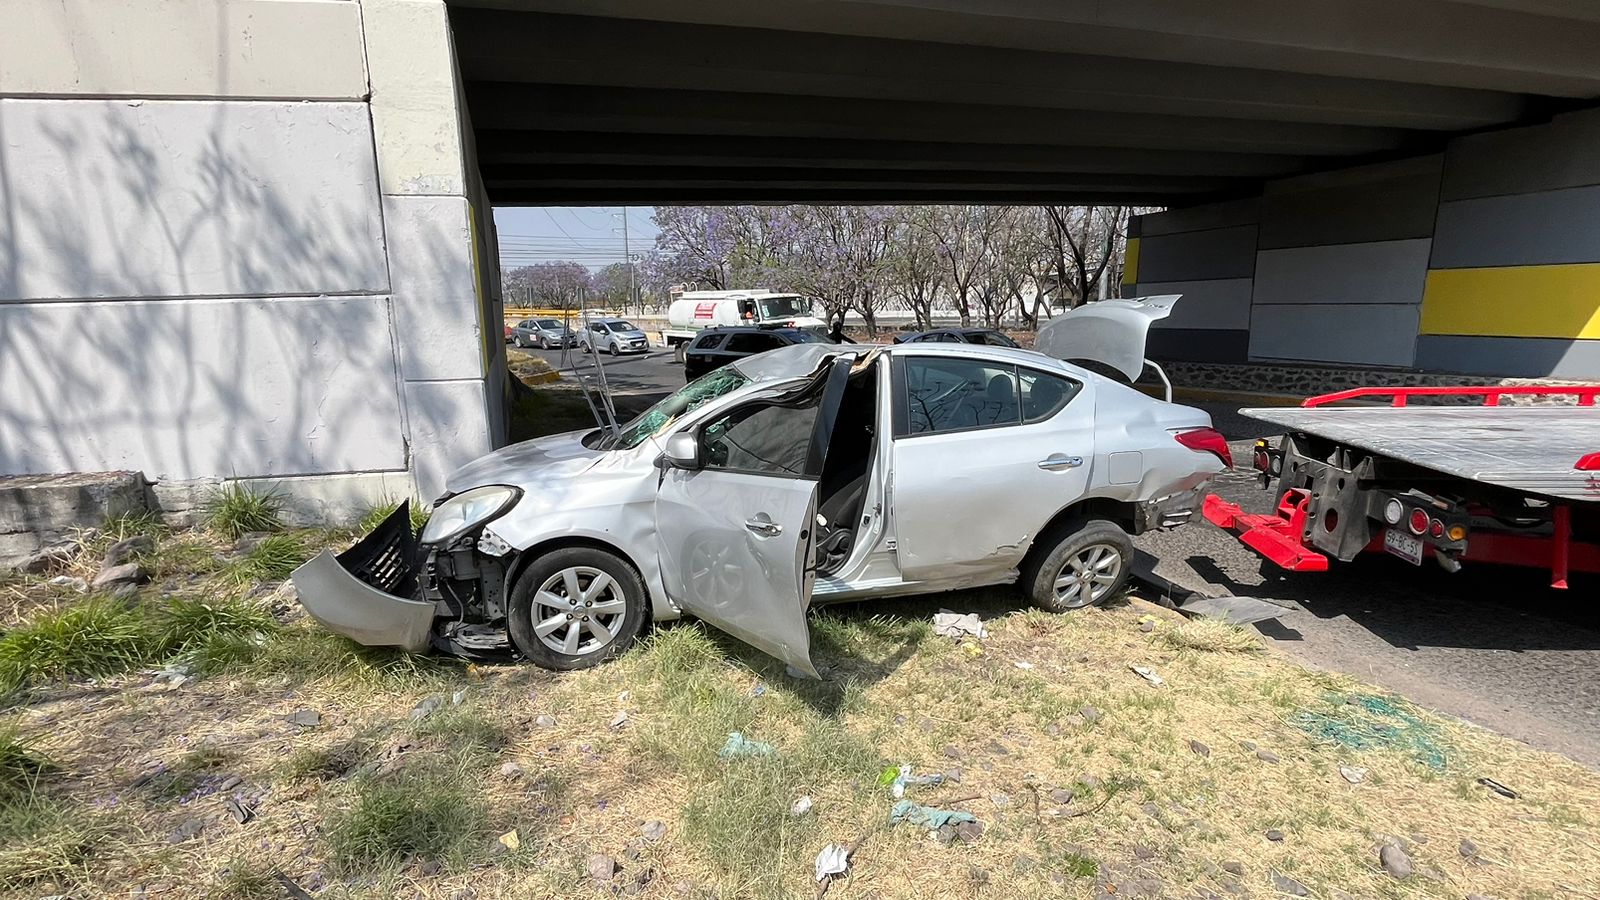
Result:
{"points": [[627, 260]]}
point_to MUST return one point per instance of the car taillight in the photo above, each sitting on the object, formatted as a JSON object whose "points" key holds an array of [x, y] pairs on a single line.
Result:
{"points": [[1436, 528], [1590, 463], [1419, 522], [1207, 440]]}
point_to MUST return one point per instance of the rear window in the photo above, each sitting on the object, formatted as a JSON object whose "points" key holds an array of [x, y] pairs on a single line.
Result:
{"points": [[708, 341], [752, 342], [548, 323]]}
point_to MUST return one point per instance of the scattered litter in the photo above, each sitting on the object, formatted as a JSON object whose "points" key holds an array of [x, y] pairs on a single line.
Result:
{"points": [[956, 625], [1353, 774], [618, 720], [801, 806], [623, 697], [972, 649], [427, 707], [760, 690], [833, 861], [1023, 665], [545, 721], [240, 812], [898, 778], [511, 840], [1148, 674], [1369, 722], [305, 718], [294, 890], [77, 584], [458, 696], [929, 817], [1499, 788], [1234, 610], [654, 830], [739, 745]]}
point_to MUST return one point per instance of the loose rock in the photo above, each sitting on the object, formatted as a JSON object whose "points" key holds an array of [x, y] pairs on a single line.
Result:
{"points": [[1199, 748], [1248, 746], [654, 830], [1353, 774], [125, 550], [1395, 861], [127, 573], [545, 721], [969, 832], [945, 834], [1267, 756], [1467, 848], [1289, 886], [1062, 795], [1275, 835], [951, 751], [601, 867], [187, 830], [305, 718], [1090, 714], [510, 770], [229, 783], [977, 875], [1147, 627], [618, 720], [1233, 868]]}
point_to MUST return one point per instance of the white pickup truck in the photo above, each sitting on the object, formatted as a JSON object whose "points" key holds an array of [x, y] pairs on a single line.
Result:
{"points": [[694, 310]]}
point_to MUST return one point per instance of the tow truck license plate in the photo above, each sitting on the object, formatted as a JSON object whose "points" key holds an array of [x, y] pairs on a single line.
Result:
{"points": [[1403, 545]]}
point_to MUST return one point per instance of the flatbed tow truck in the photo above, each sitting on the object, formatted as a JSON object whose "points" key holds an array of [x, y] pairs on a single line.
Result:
{"points": [[1460, 477]]}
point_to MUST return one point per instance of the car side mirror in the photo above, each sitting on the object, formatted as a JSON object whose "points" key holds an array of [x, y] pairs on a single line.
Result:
{"points": [[682, 452]]}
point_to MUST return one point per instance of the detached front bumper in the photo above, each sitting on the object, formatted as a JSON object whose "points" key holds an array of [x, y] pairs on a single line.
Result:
{"points": [[370, 592]]}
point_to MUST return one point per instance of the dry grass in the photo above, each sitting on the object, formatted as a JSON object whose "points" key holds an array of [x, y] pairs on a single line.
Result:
{"points": [[376, 804]]}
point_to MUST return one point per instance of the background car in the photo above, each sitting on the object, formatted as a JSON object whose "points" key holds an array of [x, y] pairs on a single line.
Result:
{"points": [[986, 336], [615, 336], [546, 334], [716, 347]]}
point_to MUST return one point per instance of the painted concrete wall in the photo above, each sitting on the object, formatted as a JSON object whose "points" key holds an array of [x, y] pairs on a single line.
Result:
{"points": [[1482, 260], [241, 239]]}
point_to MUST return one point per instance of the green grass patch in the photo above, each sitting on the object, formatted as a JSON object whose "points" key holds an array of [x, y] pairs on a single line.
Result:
{"points": [[465, 730], [93, 638], [21, 766], [273, 559], [428, 810], [245, 880], [333, 761], [374, 516], [1210, 636], [238, 508], [42, 840], [308, 652]]}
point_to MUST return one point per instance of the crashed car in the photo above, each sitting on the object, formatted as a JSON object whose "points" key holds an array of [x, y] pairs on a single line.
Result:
{"points": [[808, 474]]}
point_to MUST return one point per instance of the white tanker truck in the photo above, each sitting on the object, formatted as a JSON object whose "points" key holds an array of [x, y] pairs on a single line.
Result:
{"points": [[694, 310]]}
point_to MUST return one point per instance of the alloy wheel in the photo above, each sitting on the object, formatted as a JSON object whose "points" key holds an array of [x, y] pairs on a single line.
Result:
{"points": [[578, 610], [1088, 576]]}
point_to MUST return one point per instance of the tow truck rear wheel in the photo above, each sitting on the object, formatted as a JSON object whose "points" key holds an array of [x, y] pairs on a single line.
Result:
{"points": [[1088, 564], [575, 608]]}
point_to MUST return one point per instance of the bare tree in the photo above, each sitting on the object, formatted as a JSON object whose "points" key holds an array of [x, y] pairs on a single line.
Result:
{"points": [[1085, 240]]}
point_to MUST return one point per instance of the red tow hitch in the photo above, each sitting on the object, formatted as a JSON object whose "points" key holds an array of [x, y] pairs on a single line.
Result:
{"points": [[1277, 537]]}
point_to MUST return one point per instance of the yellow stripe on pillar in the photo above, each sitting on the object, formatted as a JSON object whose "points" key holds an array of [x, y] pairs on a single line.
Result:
{"points": [[1514, 301], [1130, 262]]}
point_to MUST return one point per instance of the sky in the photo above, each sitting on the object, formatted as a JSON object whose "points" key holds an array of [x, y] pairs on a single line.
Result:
{"points": [[591, 235]]}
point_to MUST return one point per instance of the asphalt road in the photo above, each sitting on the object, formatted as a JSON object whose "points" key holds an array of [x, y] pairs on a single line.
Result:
{"points": [[642, 373], [1493, 646]]}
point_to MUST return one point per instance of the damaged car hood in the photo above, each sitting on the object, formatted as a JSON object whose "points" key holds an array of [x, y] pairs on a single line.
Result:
{"points": [[529, 465]]}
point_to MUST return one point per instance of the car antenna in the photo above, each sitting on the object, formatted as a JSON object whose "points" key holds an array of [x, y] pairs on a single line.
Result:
{"points": [[604, 412]]}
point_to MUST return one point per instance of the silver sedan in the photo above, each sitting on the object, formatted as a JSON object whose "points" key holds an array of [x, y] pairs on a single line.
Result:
{"points": [[809, 474]]}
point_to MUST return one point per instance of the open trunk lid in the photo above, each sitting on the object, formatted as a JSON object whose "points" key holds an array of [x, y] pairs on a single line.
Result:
{"points": [[1109, 332]]}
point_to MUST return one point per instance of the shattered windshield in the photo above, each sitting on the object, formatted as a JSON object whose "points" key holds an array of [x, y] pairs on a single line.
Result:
{"points": [[784, 308], [707, 387]]}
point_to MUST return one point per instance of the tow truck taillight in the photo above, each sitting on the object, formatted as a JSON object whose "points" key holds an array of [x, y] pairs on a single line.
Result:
{"points": [[1207, 440]]}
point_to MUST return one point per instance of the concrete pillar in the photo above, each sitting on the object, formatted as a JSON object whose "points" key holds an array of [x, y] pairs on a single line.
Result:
{"points": [[439, 240]]}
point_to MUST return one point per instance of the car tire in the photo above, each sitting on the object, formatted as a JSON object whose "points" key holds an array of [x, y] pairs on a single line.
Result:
{"points": [[530, 607], [616, 349], [1084, 563]]}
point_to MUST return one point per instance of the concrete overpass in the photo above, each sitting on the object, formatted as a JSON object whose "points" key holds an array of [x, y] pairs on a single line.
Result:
{"points": [[1160, 102], [274, 214]]}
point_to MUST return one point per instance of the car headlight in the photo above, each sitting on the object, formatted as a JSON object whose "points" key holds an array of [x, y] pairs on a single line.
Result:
{"points": [[468, 510]]}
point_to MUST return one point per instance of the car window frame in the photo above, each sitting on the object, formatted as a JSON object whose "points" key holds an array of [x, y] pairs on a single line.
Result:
{"points": [[811, 470], [900, 401], [755, 334], [716, 339]]}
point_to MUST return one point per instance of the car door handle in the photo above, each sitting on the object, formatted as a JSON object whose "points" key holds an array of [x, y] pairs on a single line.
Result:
{"points": [[763, 527], [1057, 461]]}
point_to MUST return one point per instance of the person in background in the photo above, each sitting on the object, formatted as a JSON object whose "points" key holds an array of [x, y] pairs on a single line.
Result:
{"points": [[836, 331]]}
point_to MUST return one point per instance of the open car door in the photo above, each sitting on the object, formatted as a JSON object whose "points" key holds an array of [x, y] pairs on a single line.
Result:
{"points": [[736, 519], [1108, 332]]}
